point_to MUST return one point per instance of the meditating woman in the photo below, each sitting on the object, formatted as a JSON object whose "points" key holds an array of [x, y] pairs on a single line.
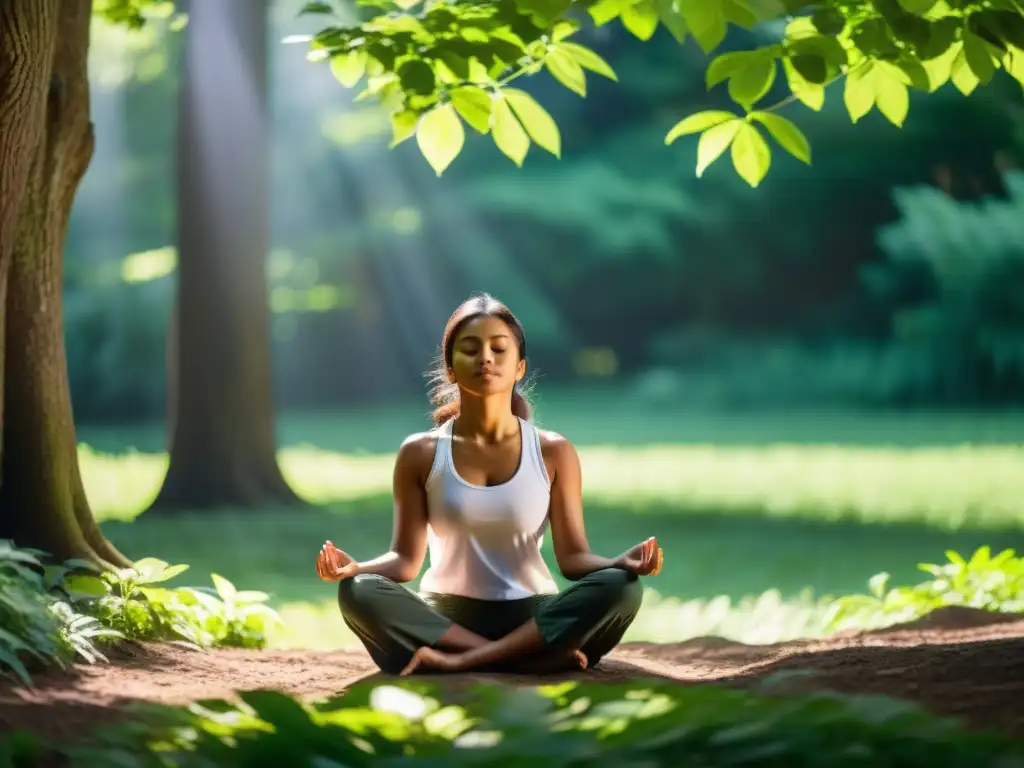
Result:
{"points": [[479, 491]]}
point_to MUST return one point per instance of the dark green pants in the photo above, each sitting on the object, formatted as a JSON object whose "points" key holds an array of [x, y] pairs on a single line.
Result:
{"points": [[392, 622]]}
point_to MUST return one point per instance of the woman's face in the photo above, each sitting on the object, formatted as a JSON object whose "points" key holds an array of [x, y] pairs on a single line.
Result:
{"points": [[485, 357]]}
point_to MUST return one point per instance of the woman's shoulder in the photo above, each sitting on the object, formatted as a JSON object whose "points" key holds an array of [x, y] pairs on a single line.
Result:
{"points": [[418, 448], [554, 446]]}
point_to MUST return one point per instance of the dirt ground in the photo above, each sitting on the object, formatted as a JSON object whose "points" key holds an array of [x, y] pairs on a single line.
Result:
{"points": [[956, 662]]}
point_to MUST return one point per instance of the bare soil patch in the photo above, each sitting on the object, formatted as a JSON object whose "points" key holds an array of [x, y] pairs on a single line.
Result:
{"points": [[959, 662]]}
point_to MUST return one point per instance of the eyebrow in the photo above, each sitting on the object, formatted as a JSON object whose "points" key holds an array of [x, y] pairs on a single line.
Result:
{"points": [[471, 337]]}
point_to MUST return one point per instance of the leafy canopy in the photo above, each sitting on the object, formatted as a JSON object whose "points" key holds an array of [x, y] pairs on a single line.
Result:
{"points": [[440, 65]]}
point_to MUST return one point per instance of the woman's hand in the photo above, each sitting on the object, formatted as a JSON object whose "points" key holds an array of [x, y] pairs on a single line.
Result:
{"points": [[427, 658], [644, 559], [334, 565]]}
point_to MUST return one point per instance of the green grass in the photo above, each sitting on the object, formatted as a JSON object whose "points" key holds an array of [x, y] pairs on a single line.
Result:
{"points": [[757, 523]]}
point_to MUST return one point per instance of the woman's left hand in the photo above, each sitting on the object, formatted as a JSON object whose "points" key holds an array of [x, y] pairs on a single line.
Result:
{"points": [[429, 658], [644, 559]]}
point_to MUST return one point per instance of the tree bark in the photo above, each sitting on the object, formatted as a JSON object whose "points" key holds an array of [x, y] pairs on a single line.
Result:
{"points": [[222, 436], [42, 499]]}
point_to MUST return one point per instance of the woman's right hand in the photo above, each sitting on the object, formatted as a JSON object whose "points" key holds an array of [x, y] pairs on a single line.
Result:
{"points": [[332, 564]]}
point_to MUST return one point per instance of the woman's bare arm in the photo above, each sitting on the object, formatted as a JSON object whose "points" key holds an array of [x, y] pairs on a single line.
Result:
{"points": [[404, 560], [568, 533]]}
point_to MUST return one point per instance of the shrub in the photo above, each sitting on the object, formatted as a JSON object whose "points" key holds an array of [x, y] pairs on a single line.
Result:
{"points": [[985, 582], [37, 628], [560, 725], [56, 614], [129, 601]]}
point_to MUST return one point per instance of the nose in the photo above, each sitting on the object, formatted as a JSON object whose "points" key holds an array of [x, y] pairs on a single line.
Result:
{"points": [[487, 355]]}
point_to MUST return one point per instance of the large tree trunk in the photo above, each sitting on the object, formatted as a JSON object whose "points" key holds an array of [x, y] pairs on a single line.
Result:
{"points": [[222, 446], [42, 500]]}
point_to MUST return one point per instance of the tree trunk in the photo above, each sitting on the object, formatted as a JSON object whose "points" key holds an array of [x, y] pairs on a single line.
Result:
{"points": [[222, 442], [42, 500]]}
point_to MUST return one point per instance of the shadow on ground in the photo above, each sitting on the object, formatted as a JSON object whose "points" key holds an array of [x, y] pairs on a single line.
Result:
{"points": [[957, 662]]}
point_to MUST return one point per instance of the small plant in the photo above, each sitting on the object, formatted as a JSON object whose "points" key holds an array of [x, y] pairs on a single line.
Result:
{"points": [[57, 614], [35, 627], [131, 601], [985, 582], [583, 726]]}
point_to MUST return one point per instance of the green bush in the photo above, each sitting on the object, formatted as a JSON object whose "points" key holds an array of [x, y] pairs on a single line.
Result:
{"points": [[56, 614], [560, 725], [36, 627], [985, 582], [955, 273], [129, 601]]}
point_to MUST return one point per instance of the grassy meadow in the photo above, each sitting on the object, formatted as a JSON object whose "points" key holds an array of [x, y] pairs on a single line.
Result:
{"points": [[761, 515]]}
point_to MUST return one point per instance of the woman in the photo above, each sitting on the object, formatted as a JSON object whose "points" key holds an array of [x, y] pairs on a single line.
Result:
{"points": [[479, 491]]}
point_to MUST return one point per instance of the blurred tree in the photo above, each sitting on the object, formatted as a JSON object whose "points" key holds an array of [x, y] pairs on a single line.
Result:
{"points": [[221, 415]]}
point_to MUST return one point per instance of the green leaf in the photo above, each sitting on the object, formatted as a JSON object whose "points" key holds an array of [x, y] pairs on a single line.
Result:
{"points": [[403, 125], [917, 7], [417, 76], [789, 136], [224, 588], [877, 584], [750, 154], [566, 70], [859, 92], [587, 59], [697, 123], [979, 57], [85, 585], [740, 13], [706, 22], [962, 75], [724, 66], [310, 8], [811, 95], [641, 19], [540, 126], [509, 136], [828, 21], [714, 141], [440, 137], [349, 68], [672, 20], [812, 67], [474, 105], [604, 11], [892, 99], [756, 77], [1013, 62]]}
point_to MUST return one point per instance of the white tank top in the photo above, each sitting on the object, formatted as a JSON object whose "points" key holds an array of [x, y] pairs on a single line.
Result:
{"points": [[485, 541]]}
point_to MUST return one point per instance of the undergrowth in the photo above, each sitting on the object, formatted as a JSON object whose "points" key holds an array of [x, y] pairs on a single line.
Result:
{"points": [[55, 615], [567, 724], [983, 582]]}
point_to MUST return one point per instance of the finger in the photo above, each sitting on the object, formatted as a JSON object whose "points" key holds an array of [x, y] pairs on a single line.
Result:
{"points": [[661, 560], [649, 554], [581, 659], [345, 572]]}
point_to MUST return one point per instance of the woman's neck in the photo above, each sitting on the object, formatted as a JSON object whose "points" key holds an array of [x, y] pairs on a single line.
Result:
{"points": [[489, 418]]}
